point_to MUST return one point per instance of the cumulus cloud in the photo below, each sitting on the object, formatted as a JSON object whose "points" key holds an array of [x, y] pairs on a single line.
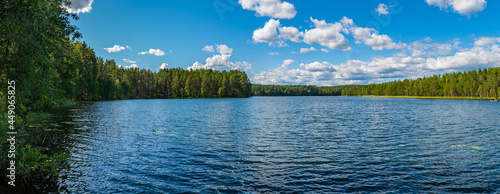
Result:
{"points": [[284, 75], [290, 33], [463, 7], [382, 9], [273, 53], [325, 73], [317, 66], [267, 34], [221, 61], [484, 54], [305, 50], [326, 34], [477, 57], [425, 48], [325, 50], [270, 8], [79, 6], [485, 41], [287, 62], [115, 48], [128, 61], [224, 50], [369, 36], [131, 66], [151, 51], [495, 48], [163, 66], [208, 49]]}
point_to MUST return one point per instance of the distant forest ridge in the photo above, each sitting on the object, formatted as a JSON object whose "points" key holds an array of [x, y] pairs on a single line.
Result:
{"points": [[476, 83]]}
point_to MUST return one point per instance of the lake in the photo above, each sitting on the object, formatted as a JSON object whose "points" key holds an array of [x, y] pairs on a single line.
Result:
{"points": [[281, 144]]}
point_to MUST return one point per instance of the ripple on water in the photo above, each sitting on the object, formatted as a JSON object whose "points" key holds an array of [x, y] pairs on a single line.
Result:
{"points": [[285, 144]]}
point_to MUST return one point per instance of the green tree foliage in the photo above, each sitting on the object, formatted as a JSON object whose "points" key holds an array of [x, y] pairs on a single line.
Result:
{"points": [[98, 79], [279, 90], [34, 36], [482, 83]]}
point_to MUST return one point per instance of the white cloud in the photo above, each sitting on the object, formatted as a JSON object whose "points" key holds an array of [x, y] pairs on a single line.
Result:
{"points": [[115, 48], [290, 33], [283, 75], [128, 47], [382, 9], [270, 8], [131, 66], [495, 48], [221, 61], [273, 53], [79, 6], [442, 4], [324, 73], [128, 61], [380, 69], [477, 57], [208, 49], [485, 41], [305, 50], [224, 50], [151, 51], [369, 36], [463, 7], [326, 34], [317, 66], [287, 62], [427, 49], [267, 34], [325, 50], [163, 66]]}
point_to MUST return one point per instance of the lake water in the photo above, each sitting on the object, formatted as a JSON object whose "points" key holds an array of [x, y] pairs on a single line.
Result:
{"points": [[281, 144]]}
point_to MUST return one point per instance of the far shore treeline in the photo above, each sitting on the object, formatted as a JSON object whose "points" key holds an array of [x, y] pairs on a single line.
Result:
{"points": [[481, 83]]}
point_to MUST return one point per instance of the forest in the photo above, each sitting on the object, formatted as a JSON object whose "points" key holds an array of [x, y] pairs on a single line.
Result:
{"points": [[483, 83], [297, 90]]}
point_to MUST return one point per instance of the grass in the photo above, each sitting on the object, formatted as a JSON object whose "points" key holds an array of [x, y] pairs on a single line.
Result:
{"points": [[435, 97]]}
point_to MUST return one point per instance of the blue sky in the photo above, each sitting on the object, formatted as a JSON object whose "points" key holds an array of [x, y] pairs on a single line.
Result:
{"points": [[296, 42]]}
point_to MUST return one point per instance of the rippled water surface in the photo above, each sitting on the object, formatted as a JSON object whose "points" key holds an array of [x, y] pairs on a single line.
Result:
{"points": [[285, 144]]}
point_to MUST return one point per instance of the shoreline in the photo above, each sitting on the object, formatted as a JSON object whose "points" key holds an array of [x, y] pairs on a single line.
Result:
{"points": [[432, 97]]}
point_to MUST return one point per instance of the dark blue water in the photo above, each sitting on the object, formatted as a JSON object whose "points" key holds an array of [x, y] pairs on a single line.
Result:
{"points": [[283, 144]]}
